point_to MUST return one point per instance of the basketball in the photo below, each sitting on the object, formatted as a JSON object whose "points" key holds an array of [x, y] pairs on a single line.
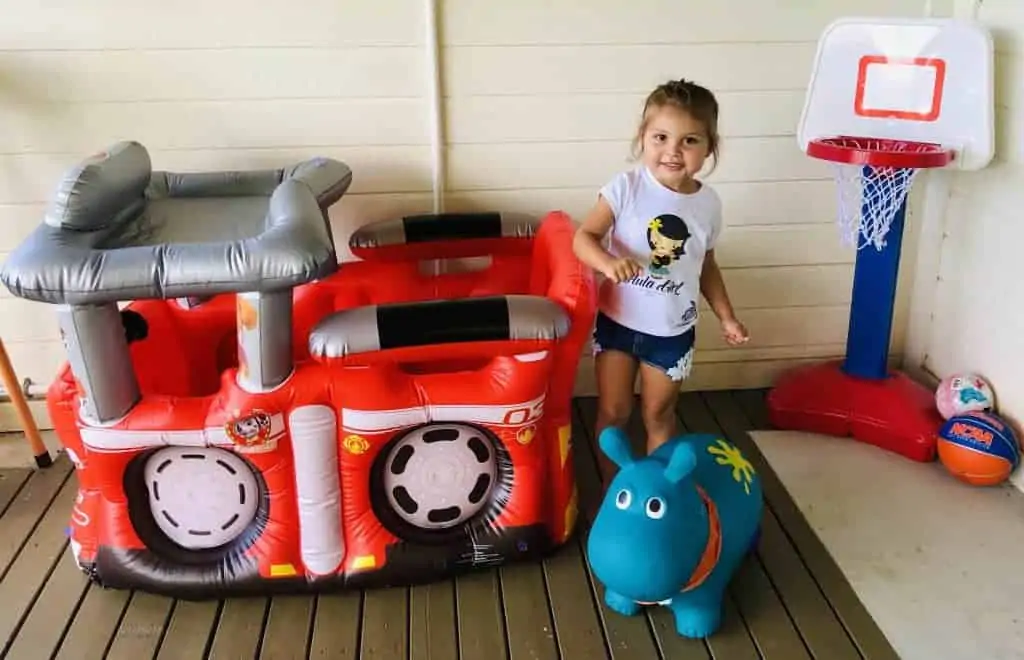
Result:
{"points": [[963, 393], [979, 448]]}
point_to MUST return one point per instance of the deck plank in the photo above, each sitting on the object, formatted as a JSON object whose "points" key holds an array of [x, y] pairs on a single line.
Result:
{"points": [[386, 624], [481, 622], [432, 622], [530, 630], [732, 641], [775, 634], [28, 507], [31, 568], [577, 623], [670, 643], [92, 630], [189, 630], [337, 625], [44, 627], [11, 481], [746, 411], [240, 628], [578, 619], [142, 627], [288, 627], [754, 407], [821, 630], [814, 615]]}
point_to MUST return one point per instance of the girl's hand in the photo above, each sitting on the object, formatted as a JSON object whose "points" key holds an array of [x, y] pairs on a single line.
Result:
{"points": [[735, 333], [621, 270]]}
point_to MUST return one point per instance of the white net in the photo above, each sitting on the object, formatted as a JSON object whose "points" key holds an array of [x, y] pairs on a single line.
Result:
{"points": [[869, 196], [868, 200]]}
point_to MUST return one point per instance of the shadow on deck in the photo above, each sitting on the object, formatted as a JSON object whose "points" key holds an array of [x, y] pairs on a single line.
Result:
{"points": [[789, 601]]}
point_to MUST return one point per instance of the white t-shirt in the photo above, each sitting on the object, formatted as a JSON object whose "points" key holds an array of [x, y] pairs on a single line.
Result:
{"points": [[667, 233]]}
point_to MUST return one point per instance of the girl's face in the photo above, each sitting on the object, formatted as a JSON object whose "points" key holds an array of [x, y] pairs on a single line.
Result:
{"points": [[675, 147]]}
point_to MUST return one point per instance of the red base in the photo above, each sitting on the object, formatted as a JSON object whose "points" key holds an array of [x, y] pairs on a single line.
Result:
{"points": [[896, 414]]}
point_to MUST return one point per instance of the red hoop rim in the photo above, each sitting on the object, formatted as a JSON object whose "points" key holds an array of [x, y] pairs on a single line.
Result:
{"points": [[880, 152]]}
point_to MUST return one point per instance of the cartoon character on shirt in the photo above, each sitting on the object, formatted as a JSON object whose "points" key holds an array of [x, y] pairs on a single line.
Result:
{"points": [[666, 236]]}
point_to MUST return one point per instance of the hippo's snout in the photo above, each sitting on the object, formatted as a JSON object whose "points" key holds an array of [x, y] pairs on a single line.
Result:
{"points": [[637, 556]]}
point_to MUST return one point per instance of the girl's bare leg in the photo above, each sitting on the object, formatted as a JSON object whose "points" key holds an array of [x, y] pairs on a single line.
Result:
{"points": [[658, 395], [616, 376]]}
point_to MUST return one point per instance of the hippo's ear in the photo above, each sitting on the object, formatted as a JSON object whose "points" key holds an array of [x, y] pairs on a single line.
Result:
{"points": [[615, 444], [681, 464]]}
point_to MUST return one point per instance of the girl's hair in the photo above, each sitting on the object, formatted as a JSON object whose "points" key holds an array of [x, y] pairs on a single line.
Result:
{"points": [[690, 97]]}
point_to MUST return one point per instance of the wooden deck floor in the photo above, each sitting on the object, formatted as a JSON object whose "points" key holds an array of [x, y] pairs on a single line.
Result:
{"points": [[790, 601]]}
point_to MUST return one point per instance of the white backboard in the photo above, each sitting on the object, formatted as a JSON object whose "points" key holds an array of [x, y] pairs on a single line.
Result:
{"points": [[927, 80]]}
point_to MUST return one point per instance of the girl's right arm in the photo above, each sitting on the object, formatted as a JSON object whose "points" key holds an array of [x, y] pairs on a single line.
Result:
{"points": [[587, 244]]}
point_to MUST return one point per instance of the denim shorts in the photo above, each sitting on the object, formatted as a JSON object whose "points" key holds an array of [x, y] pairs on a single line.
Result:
{"points": [[672, 355]]}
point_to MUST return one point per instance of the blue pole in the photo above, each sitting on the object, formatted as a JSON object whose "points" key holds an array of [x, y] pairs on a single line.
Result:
{"points": [[874, 297]]}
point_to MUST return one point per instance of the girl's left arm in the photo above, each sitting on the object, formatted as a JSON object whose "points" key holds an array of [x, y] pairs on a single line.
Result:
{"points": [[713, 287]]}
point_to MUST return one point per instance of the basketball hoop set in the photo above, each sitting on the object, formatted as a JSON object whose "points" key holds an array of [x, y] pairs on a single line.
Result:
{"points": [[888, 98]]}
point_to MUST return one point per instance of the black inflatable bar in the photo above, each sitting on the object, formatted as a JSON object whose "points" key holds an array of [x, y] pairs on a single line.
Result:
{"points": [[400, 325], [443, 322], [442, 235], [451, 226]]}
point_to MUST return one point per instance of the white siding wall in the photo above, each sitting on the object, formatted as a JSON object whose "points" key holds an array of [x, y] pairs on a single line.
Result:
{"points": [[975, 320], [245, 86], [540, 106]]}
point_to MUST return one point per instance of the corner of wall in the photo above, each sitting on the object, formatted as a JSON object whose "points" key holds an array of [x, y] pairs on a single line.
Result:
{"points": [[1017, 479], [933, 195]]}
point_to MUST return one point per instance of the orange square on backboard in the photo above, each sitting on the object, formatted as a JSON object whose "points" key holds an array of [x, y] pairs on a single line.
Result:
{"points": [[931, 114]]}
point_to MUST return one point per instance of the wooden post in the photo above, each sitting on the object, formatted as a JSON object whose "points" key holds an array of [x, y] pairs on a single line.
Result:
{"points": [[28, 424]]}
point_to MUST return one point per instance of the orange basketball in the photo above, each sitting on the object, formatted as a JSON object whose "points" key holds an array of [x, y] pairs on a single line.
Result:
{"points": [[978, 448]]}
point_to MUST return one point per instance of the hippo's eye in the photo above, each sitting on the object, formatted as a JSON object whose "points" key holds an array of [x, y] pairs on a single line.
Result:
{"points": [[655, 508], [623, 499]]}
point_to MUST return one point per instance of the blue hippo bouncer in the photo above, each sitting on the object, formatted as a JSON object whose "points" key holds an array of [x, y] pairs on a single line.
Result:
{"points": [[674, 527]]}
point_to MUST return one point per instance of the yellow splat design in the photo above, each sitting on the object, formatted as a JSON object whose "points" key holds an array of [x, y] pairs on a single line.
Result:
{"points": [[742, 470]]}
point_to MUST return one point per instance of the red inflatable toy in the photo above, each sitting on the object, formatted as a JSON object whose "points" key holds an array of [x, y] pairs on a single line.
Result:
{"points": [[416, 425]]}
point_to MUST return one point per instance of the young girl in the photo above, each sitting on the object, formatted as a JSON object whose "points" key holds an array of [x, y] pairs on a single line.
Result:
{"points": [[664, 226]]}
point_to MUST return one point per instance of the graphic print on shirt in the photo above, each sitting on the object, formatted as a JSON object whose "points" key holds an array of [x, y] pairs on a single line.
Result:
{"points": [[666, 236]]}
